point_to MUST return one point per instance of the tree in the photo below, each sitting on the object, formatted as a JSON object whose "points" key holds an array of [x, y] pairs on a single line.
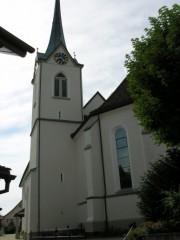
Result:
{"points": [[172, 208], [154, 76], [161, 179]]}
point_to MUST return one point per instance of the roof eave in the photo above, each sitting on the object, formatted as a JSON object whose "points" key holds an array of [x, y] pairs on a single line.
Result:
{"points": [[14, 44], [24, 175], [44, 57], [98, 112]]}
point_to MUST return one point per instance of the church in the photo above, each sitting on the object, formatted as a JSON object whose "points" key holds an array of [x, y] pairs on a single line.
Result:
{"points": [[85, 161]]}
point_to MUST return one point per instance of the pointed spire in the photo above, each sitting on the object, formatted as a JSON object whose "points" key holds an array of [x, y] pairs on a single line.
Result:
{"points": [[57, 35]]}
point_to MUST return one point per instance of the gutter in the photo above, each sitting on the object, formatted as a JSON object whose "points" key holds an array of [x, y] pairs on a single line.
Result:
{"points": [[13, 44]]}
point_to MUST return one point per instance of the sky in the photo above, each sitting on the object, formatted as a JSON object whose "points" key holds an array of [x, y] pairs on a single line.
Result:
{"points": [[98, 31]]}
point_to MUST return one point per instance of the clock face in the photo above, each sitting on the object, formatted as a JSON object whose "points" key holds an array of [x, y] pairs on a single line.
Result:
{"points": [[61, 58]]}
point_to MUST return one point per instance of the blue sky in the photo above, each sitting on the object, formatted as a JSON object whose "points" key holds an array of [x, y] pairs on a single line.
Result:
{"points": [[98, 31]]}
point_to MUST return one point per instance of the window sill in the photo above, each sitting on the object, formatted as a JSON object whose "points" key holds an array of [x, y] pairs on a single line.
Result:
{"points": [[64, 98], [123, 192]]}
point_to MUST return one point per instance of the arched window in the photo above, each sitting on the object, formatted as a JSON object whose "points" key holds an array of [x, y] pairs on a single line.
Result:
{"points": [[123, 159], [60, 86]]}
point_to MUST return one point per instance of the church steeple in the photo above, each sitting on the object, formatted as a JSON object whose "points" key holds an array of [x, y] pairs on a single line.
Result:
{"points": [[57, 34]]}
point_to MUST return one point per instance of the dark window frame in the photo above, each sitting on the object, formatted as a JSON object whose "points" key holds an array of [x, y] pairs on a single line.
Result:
{"points": [[123, 160]]}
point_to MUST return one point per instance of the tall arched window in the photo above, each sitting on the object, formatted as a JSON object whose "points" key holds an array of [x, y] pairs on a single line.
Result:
{"points": [[60, 86], [123, 159]]}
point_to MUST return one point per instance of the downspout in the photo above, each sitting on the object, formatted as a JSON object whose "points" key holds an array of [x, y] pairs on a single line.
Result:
{"points": [[104, 177], [39, 142]]}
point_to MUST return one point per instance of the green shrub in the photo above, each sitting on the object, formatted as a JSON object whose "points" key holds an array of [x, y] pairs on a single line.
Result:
{"points": [[172, 209], [10, 229], [155, 227], [147, 228], [157, 201], [136, 233]]}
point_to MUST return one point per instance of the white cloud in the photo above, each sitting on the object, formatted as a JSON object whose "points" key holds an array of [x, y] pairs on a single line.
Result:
{"points": [[99, 31]]}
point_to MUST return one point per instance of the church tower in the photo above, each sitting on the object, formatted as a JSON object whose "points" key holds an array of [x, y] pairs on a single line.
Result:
{"points": [[51, 188]]}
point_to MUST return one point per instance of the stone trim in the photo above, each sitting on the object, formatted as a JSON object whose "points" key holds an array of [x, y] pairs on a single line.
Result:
{"points": [[52, 120], [82, 203]]}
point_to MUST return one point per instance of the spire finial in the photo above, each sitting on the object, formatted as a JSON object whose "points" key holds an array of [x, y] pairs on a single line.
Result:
{"points": [[57, 35]]}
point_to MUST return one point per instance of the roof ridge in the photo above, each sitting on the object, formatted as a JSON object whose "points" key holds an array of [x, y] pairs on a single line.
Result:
{"points": [[97, 93]]}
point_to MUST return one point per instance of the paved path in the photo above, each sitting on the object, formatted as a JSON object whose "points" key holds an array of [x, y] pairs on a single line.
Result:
{"points": [[7, 237], [12, 237]]}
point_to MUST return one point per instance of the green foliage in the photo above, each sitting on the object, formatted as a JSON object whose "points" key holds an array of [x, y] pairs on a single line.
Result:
{"points": [[23, 235], [136, 233], [10, 229], [147, 228], [155, 227], [162, 177], [172, 208], [154, 76]]}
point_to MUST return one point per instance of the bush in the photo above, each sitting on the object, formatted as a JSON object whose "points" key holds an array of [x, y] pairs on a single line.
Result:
{"points": [[172, 209], [155, 227], [147, 228], [136, 233], [10, 229], [162, 177]]}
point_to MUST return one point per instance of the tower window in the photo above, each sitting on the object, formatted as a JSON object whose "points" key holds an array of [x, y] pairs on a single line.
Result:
{"points": [[123, 159], [60, 86]]}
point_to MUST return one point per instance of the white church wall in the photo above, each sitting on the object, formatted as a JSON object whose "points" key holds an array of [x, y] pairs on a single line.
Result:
{"points": [[26, 196], [93, 104], [82, 180], [58, 187], [96, 159], [82, 214], [61, 108], [34, 148], [122, 210], [90, 172], [142, 150], [123, 117], [35, 102], [93, 160], [151, 150], [29, 186], [89, 162], [32, 207], [124, 205], [52, 155], [95, 209]]}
